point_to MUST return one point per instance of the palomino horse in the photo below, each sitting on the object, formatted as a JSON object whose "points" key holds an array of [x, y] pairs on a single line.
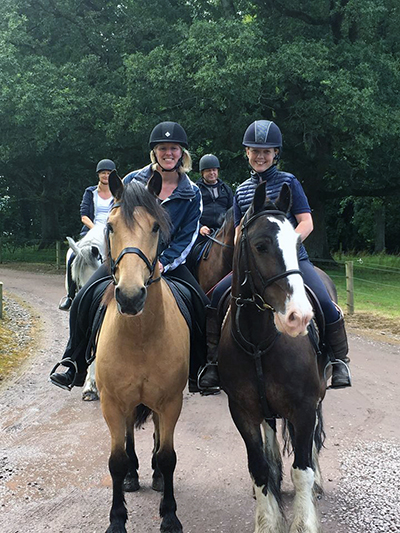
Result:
{"points": [[216, 263], [89, 254], [142, 361], [268, 365]]}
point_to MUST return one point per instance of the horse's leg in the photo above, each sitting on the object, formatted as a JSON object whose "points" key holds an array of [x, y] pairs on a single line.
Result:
{"points": [[166, 461], [319, 436], [131, 481], [158, 482], [269, 515], [118, 464], [90, 393], [272, 451], [302, 473]]}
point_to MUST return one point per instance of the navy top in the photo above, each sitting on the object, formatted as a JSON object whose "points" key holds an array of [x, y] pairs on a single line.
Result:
{"points": [[274, 179], [184, 207]]}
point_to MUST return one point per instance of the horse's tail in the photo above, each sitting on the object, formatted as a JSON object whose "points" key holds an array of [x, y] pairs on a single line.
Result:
{"points": [[142, 414]]}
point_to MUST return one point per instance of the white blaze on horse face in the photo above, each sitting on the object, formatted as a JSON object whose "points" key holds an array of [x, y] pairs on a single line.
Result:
{"points": [[298, 311]]}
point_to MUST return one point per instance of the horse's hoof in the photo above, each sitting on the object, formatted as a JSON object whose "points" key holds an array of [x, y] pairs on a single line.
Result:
{"points": [[90, 396], [131, 484], [158, 484], [171, 524], [116, 528]]}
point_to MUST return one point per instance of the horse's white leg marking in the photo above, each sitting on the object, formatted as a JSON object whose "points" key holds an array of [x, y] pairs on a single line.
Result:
{"points": [[269, 517], [272, 451], [305, 513], [90, 392]]}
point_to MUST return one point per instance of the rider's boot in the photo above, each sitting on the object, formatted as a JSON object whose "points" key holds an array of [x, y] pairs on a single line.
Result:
{"points": [[74, 356], [208, 380], [336, 338], [66, 301]]}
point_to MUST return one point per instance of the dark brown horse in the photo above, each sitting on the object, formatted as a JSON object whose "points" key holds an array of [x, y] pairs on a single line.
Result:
{"points": [[216, 259], [142, 358], [268, 365]]}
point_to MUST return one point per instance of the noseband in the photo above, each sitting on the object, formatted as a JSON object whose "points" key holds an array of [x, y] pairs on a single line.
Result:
{"points": [[130, 250], [256, 298]]}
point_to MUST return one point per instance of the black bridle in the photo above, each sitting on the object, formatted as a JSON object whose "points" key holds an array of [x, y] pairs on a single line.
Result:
{"points": [[130, 250], [256, 351]]}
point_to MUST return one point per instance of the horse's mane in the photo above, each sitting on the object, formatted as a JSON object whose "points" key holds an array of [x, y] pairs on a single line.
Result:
{"points": [[135, 195]]}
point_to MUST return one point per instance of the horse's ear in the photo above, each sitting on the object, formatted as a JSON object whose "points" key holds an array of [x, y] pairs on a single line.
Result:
{"points": [[284, 200], [259, 198], [154, 184], [115, 184]]}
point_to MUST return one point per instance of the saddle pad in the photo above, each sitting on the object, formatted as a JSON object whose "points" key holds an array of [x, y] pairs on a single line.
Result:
{"points": [[183, 299]]}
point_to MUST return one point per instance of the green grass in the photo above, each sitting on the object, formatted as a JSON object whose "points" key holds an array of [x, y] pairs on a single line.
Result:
{"points": [[376, 283], [32, 254]]}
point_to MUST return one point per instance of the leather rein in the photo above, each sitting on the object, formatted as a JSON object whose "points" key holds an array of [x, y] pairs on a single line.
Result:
{"points": [[256, 351], [130, 250]]}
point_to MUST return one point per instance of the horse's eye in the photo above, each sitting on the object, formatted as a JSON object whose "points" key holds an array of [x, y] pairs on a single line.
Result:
{"points": [[262, 248], [109, 228], [156, 227]]}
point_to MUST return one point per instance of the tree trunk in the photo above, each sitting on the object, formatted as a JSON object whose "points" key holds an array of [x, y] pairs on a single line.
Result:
{"points": [[379, 213], [49, 209], [317, 243]]}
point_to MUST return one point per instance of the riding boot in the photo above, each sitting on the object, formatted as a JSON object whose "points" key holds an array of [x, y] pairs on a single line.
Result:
{"points": [[336, 338], [75, 362], [66, 301], [208, 380]]}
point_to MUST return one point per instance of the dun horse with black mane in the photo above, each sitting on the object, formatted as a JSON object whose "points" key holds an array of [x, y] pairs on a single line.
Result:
{"points": [[142, 358], [268, 364]]}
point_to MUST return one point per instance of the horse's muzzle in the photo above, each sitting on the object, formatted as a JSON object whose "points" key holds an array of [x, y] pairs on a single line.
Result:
{"points": [[130, 304]]}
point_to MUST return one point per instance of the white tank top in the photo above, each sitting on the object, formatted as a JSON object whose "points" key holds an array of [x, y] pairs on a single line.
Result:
{"points": [[101, 209]]}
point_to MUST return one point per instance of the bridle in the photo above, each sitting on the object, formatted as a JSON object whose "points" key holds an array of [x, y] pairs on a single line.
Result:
{"points": [[256, 351], [130, 250], [245, 251]]}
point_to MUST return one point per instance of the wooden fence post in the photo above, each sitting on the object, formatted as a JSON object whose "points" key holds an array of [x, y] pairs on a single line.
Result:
{"points": [[350, 287], [1, 299], [58, 254]]}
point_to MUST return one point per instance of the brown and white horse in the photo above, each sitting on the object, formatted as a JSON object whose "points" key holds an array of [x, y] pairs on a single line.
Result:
{"points": [[142, 360], [268, 365]]}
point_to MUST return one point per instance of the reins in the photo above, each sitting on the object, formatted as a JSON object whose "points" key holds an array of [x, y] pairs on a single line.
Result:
{"points": [[256, 351], [130, 250], [212, 238]]}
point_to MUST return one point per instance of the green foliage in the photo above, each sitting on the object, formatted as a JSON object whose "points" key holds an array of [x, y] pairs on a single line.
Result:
{"points": [[81, 81]]}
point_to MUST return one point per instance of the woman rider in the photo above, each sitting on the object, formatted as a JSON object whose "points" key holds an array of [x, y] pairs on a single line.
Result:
{"points": [[95, 206], [182, 200], [263, 142]]}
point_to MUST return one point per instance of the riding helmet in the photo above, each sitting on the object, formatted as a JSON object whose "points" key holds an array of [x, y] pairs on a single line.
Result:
{"points": [[105, 164], [168, 132], [208, 161], [263, 134]]}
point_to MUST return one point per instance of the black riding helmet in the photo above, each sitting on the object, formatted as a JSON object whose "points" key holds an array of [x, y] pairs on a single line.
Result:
{"points": [[208, 161], [168, 132], [105, 164], [263, 134]]}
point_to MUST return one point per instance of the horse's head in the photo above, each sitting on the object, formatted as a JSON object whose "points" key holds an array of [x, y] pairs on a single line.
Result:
{"points": [[268, 264], [134, 227]]}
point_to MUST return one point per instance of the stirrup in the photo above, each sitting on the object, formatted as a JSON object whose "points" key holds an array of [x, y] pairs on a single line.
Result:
{"points": [[69, 363], [340, 362], [209, 390]]}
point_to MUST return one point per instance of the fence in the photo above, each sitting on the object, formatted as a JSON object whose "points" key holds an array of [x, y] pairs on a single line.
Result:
{"points": [[364, 286]]}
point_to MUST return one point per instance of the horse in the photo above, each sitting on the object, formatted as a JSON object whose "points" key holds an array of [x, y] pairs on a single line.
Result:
{"points": [[268, 365], [215, 261], [142, 361], [89, 255]]}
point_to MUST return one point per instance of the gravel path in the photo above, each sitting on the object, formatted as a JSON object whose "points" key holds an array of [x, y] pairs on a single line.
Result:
{"points": [[54, 447]]}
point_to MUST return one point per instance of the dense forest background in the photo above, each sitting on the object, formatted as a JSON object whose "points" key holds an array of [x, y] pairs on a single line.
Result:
{"points": [[82, 80]]}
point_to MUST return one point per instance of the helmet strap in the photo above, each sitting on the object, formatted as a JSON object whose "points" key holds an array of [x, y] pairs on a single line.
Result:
{"points": [[176, 167]]}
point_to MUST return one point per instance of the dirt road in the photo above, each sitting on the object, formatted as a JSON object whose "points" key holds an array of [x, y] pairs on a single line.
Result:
{"points": [[54, 447]]}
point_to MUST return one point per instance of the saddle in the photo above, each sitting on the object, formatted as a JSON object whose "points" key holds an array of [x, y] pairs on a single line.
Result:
{"points": [[189, 302]]}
